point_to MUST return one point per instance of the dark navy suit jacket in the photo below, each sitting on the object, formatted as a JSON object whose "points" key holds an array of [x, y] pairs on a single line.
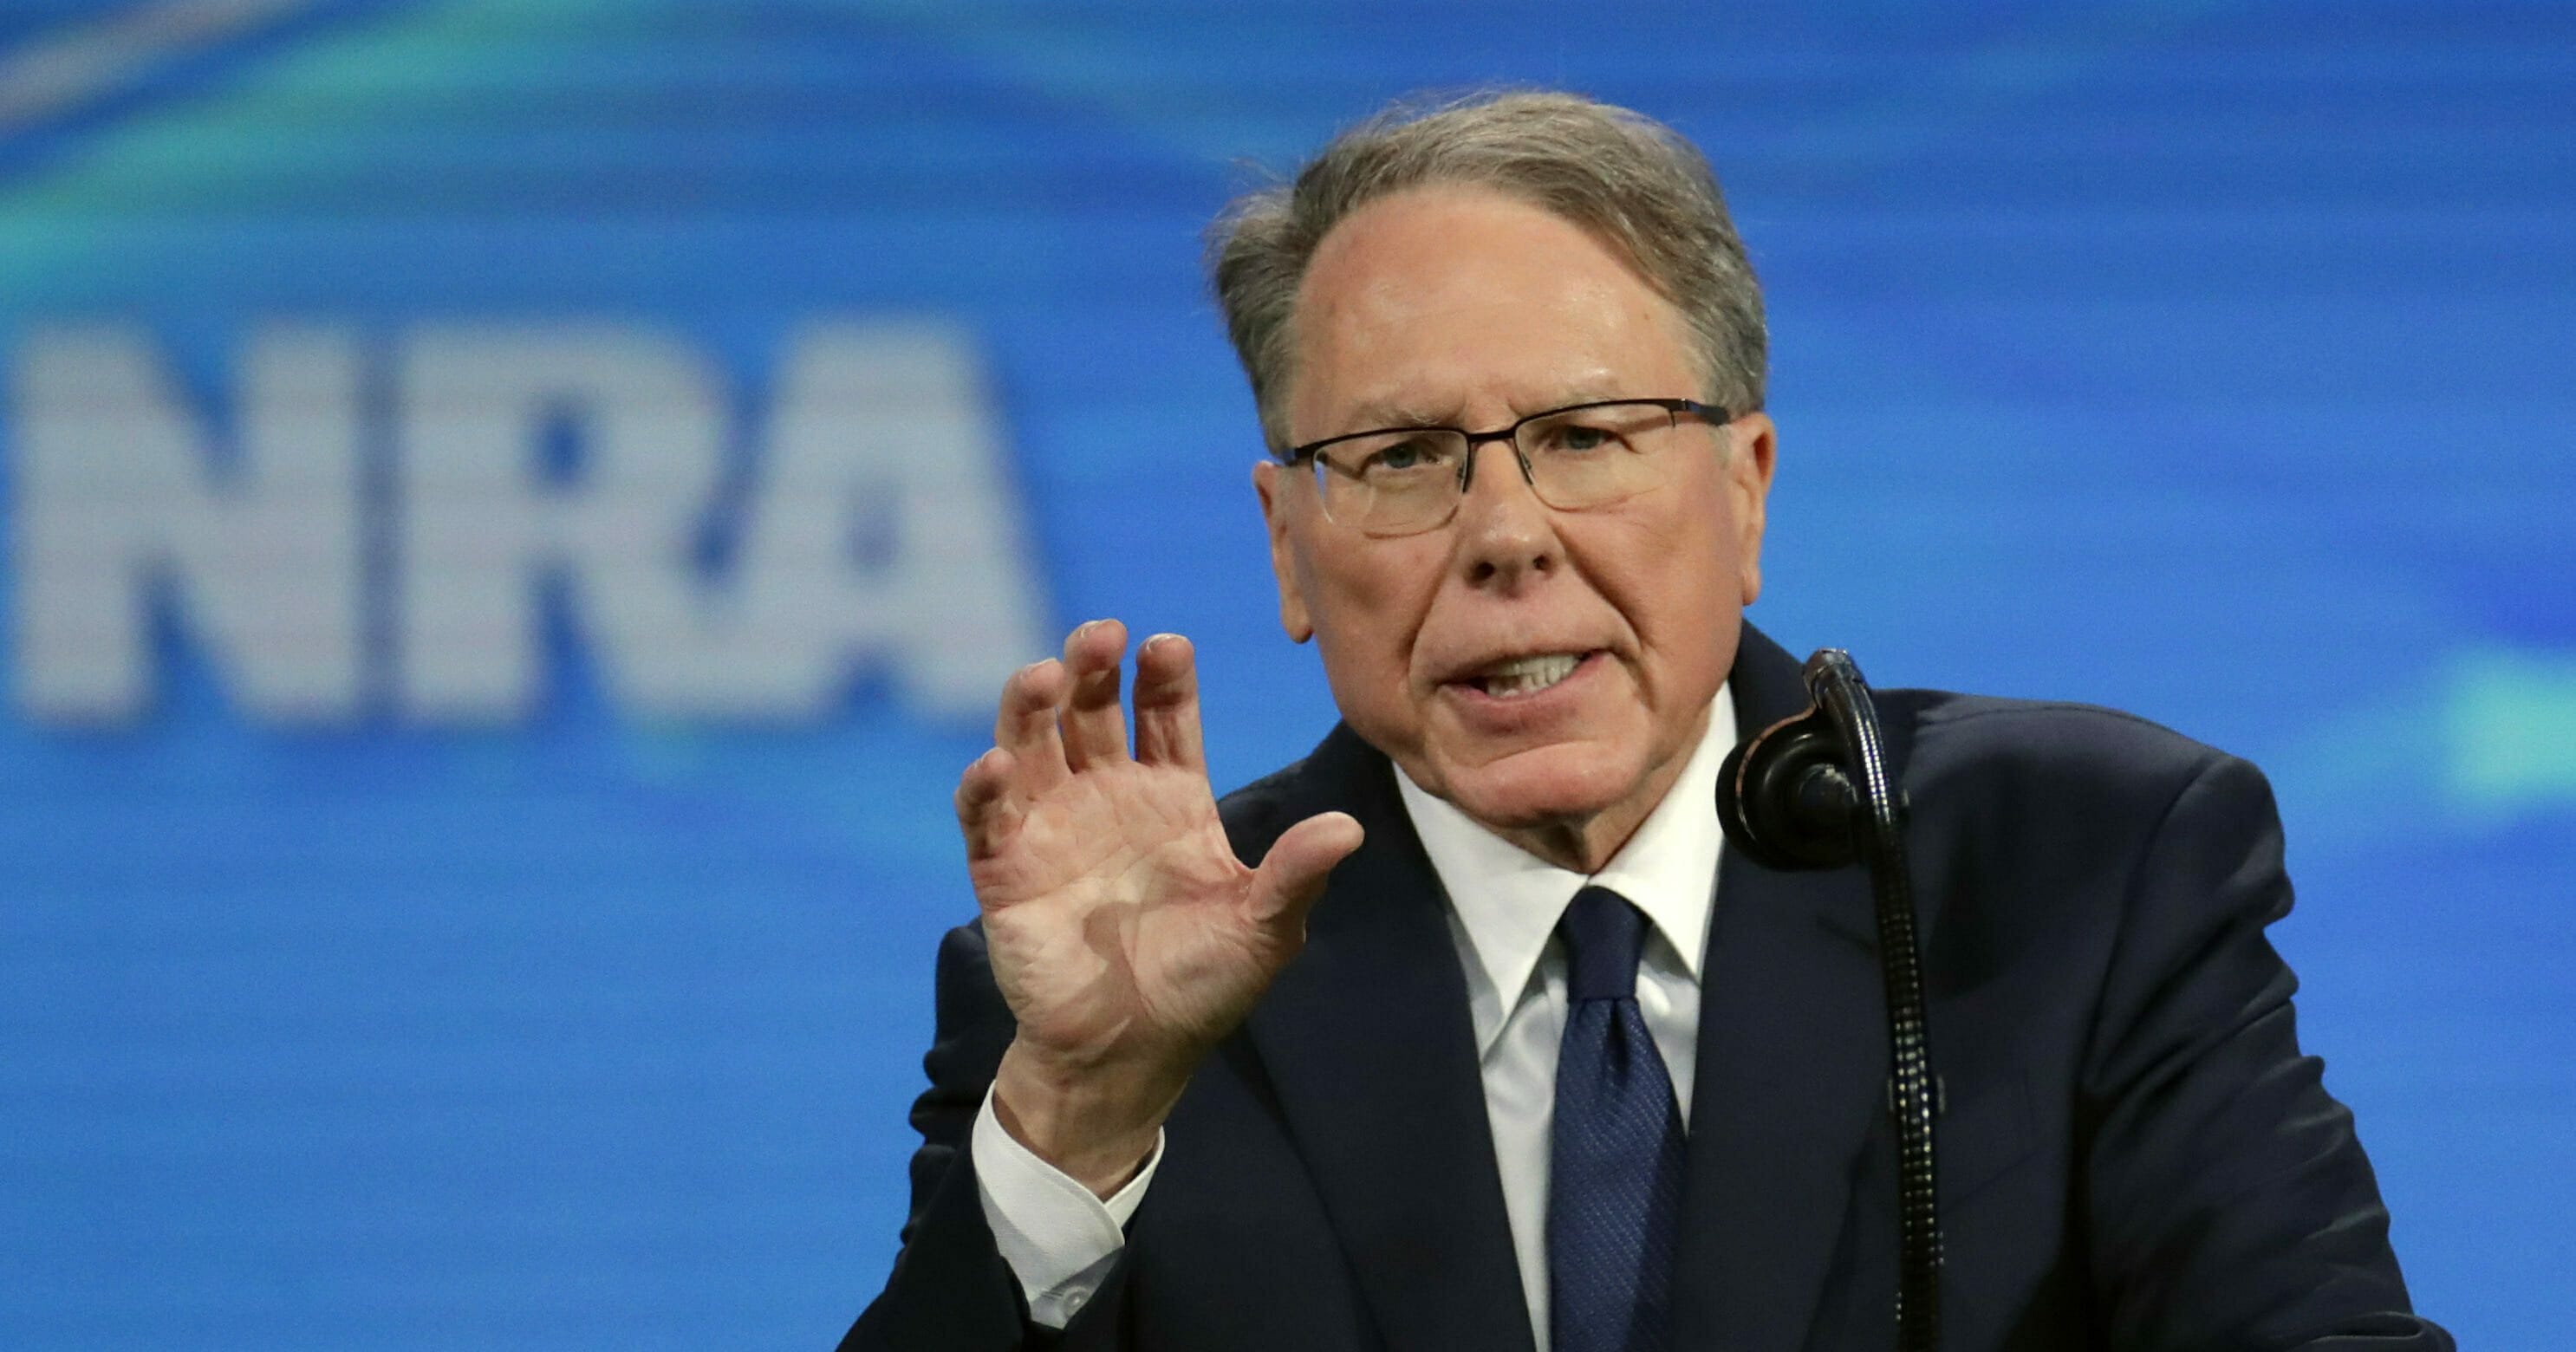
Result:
{"points": [[2135, 1154]]}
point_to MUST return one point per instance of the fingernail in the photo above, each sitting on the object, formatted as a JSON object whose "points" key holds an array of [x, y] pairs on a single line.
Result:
{"points": [[1160, 639]]}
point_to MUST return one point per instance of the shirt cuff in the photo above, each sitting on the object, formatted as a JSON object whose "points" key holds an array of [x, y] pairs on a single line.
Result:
{"points": [[1059, 1239]]}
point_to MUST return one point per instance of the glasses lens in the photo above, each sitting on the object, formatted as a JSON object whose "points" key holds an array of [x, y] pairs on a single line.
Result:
{"points": [[1589, 457], [1393, 483]]}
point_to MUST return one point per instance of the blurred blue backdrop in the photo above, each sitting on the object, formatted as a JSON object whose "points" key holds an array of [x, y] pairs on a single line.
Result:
{"points": [[512, 507]]}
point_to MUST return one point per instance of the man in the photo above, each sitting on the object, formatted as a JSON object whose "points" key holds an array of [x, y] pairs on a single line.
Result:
{"points": [[1465, 1032]]}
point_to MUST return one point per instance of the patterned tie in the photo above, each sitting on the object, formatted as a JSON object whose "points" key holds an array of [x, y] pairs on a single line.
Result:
{"points": [[1615, 1190]]}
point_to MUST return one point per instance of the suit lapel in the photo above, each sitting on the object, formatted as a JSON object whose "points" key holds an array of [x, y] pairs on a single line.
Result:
{"points": [[1791, 1070], [1367, 1041]]}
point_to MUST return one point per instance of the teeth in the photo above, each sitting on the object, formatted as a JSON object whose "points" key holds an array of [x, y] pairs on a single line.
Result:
{"points": [[1529, 675]]}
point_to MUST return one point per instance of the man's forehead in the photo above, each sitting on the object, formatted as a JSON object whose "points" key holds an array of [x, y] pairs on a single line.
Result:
{"points": [[1469, 252]]}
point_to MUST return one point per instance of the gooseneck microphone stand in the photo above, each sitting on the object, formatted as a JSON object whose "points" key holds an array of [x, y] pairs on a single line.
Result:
{"points": [[1814, 792]]}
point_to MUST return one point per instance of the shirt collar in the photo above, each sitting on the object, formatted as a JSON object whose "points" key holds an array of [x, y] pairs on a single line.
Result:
{"points": [[1505, 902]]}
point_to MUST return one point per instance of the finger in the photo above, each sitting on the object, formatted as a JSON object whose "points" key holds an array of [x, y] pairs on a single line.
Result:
{"points": [[1167, 704], [986, 814], [1026, 725], [1095, 728], [1292, 876]]}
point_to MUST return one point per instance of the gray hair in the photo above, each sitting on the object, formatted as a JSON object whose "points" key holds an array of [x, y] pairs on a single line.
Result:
{"points": [[1633, 182]]}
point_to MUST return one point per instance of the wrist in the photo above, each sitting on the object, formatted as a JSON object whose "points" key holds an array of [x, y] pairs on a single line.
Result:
{"points": [[1097, 1124]]}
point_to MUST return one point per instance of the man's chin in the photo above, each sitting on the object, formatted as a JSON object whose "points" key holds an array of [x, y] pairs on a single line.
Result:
{"points": [[1561, 786]]}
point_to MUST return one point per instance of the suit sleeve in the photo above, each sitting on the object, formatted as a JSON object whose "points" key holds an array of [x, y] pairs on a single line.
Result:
{"points": [[2229, 1202], [951, 1290]]}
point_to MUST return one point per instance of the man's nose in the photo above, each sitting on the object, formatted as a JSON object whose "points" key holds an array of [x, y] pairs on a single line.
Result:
{"points": [[1505, 534]]}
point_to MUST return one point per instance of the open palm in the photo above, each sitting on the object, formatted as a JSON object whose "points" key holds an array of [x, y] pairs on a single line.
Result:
{"points": [[1125, 935]]}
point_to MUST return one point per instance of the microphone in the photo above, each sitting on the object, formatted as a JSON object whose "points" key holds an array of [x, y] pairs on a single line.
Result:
{"points": [[1784, 800], [1816, 792]]}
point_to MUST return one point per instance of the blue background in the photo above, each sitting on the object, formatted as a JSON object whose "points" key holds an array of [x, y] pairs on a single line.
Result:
{"points": [[2209, 360]]}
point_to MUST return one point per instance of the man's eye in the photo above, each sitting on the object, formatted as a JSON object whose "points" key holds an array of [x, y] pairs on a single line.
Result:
{"points": [[1576, 438], [1400, 458]]}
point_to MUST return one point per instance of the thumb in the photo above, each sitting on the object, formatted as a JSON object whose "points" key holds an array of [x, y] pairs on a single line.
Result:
{"points": [[1292, 875]]}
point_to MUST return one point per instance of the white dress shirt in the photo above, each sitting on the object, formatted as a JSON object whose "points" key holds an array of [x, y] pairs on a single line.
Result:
{"points": [[1060, 1240]]}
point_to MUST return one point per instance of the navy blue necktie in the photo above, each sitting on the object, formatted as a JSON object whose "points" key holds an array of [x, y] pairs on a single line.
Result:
{"points": [[1615, 1183]]}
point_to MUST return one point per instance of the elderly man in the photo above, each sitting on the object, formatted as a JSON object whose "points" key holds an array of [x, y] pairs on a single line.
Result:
{"points": [[1465, 1032]]}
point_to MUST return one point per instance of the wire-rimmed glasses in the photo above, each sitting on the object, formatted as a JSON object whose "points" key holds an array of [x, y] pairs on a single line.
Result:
{"points": [[1405, 480]]}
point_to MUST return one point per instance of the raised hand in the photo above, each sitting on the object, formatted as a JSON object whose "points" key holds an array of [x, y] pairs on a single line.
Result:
{"points": [[1125, 935]]}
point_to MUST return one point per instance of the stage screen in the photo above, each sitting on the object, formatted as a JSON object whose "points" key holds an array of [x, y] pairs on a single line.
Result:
{"points": [[516, 512]]}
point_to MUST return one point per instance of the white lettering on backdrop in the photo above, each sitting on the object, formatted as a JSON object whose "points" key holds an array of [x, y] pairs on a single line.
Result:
{"points": [[875, 523]]}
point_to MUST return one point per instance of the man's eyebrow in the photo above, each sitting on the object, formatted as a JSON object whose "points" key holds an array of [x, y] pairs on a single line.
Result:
{"points": [[1597, 391], [1376, 413], [1371, 415]]}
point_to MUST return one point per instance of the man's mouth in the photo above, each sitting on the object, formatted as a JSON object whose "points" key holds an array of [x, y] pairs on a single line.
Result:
{"points": [[1526, 675]]}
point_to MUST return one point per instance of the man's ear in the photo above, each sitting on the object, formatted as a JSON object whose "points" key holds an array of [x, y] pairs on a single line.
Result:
{"points": [[1272, 485], [1748, 473]]}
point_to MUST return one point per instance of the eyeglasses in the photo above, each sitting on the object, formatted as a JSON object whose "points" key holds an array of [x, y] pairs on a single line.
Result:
{"points": [[1406, 480]]}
